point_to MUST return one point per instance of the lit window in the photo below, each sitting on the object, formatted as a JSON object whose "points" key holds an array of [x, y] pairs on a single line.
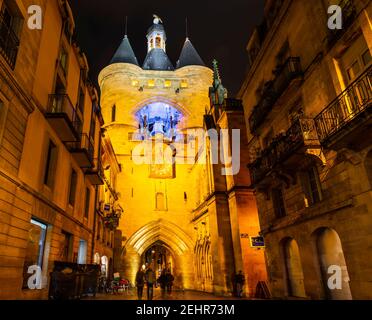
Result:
{"points": [[82, 254], [311, 186], [135, 83], [184, 84], [167, 83], [151, 83], [158, 42]]}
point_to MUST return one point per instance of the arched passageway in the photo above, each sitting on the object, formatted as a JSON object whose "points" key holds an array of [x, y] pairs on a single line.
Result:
{"points": [[160, 257], [293, 269], [335, 277], [162, 244]]}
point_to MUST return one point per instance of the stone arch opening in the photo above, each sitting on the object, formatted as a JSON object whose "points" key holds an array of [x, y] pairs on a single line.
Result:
{"points": [[161, 234], [293, 272], [331, 259]]}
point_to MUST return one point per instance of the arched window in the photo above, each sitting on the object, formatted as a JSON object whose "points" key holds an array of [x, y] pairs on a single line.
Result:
{"points": [[113, 113], [158, 42]]}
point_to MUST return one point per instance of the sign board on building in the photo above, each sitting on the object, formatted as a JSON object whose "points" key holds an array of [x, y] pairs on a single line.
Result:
{"points": [[257, 242]]}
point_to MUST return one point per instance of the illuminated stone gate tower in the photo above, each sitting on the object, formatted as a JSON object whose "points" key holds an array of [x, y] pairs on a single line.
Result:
{"points": [[171, 215]]}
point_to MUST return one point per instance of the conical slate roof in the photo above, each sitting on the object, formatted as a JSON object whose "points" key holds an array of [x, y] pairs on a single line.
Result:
{"points": [[189, 56], [157, 59], [125, 53]]}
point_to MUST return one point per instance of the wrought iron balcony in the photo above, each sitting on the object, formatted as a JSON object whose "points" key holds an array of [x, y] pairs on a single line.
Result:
{"points": [[9, 42], [347, 117], [96, 175], [82, 151], [284, 75], [348, 15], [62, 116], [287, 149]]}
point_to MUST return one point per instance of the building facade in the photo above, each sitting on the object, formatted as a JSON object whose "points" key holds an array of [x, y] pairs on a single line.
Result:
{"points": [[49, 148], [107, 239], [181, 214], [307, 100]]}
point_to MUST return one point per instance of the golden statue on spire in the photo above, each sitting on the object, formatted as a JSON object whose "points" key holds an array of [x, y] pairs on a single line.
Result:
{"points": [[157, 19]]}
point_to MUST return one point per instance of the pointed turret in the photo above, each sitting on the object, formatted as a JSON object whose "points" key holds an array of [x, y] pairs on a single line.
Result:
{"points": [[125, 53], [189, 56]]}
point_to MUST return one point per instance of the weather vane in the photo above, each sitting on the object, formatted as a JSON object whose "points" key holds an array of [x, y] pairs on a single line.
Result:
{"points": [[157, 19]]}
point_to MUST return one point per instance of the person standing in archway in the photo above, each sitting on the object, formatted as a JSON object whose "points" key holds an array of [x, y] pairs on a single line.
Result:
{"points": [[150, 279], [140, 283], [169, 281], [239, 283], [162, 282]]}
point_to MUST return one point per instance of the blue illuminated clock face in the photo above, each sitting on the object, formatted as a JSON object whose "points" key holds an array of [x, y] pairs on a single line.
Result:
{"points": [[159, 118]]}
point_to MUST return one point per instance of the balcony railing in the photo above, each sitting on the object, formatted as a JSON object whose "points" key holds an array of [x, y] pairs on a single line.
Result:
{"points": [[60, 106], [9, 42], [82, 150], [348, 15], [274, 89], [302, 134], [347, 107]]}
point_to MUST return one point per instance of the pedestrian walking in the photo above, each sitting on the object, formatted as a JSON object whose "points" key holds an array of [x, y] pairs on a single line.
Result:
{"points": [[169, 282], [140, 283], [150, 279], [239, 283], [163, 283]]}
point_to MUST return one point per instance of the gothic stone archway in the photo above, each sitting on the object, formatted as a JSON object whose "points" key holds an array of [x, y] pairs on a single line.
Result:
{"points": [[176, 241]]}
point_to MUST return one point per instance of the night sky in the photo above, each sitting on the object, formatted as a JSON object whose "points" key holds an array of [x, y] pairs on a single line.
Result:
{"points": [[218, 29]]}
